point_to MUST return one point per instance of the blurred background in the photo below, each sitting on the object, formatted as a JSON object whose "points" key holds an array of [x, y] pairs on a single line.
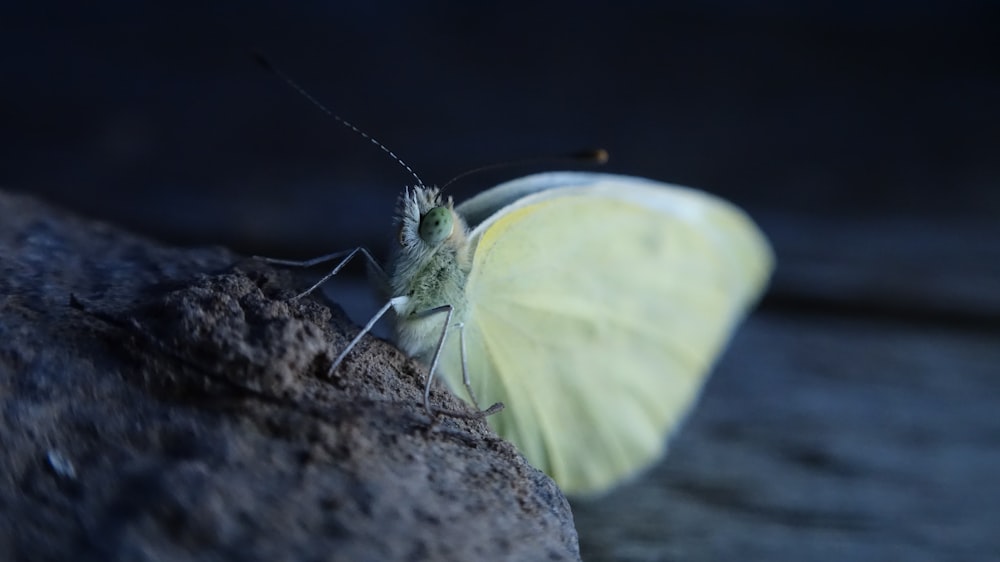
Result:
{"points": [[855, 416]]}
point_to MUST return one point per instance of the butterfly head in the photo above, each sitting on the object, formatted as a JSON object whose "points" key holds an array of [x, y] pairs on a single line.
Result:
{"points": [[433, 241], [427, 220]]}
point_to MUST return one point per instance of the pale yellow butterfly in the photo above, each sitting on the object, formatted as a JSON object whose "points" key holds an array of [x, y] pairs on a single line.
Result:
{"points": [[591, 305]]}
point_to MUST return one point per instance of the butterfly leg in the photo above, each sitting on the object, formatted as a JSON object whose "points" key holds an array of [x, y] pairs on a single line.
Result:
{"points": [[450, 310], [330, 257], [368, 327], [496, 406], [465, 366]]}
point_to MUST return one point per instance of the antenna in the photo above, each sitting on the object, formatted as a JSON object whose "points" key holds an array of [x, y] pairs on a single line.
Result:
{"points": [[592, 156], [266, 65]]}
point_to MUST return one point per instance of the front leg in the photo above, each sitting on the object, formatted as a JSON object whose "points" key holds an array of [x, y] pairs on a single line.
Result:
{"points": [[393, 302], [376, 268]]}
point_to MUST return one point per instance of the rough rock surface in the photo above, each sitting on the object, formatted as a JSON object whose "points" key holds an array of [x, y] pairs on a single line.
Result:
{"points": [[167, 404]]}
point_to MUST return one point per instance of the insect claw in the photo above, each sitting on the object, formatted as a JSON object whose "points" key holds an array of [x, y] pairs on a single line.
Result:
{"points": [[496, 408], [466, 415]]}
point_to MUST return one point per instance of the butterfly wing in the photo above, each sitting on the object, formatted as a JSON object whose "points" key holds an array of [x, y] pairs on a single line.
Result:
{"points": [[595, 307], [484, 204]]}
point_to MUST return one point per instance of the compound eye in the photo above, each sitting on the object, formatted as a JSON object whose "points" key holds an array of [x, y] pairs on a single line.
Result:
{"points": [[436, 225]]}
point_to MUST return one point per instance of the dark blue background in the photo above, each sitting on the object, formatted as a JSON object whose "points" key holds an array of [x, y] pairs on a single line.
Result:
{"points": [[863, 136], [153, 115]]}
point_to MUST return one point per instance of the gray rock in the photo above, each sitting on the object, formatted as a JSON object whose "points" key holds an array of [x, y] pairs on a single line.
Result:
{"points": [[164, 404]]}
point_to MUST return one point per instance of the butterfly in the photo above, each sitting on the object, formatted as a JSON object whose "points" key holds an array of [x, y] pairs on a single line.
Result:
{"points": [[591, 305]]}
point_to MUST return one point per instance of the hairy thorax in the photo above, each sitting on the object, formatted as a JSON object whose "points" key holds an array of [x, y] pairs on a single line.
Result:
{"points": [[429, 278]]}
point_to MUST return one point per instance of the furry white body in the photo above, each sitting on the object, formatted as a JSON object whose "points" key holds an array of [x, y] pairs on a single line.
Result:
{"points": [[429, 276]]}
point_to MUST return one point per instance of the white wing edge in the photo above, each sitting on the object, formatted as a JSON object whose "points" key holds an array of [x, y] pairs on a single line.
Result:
{"points": [[685, 203], [485, 204]]}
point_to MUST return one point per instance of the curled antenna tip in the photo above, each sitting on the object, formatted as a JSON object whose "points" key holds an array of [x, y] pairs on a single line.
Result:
{"points": [[596, 156], [591, 156]]}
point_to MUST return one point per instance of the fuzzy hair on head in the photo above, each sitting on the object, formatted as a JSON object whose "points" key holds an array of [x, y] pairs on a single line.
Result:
{"points": [[413, 204]]}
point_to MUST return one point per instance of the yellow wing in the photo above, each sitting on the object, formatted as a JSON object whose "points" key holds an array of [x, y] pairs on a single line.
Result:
{"points": [[594, 311]]}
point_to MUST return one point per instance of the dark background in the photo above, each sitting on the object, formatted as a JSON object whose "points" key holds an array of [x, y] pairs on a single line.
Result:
{"points": [[863, 136]]}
